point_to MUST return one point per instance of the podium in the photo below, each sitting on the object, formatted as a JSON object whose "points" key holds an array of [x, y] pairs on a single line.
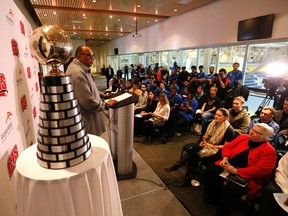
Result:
{"points": [[121, 118]]}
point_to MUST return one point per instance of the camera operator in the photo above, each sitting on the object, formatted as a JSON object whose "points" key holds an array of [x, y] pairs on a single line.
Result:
{"points": [[284, 95], [221, 82]]}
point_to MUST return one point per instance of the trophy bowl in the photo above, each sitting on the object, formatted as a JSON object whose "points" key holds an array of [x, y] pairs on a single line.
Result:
{"points": [[51, 45]]}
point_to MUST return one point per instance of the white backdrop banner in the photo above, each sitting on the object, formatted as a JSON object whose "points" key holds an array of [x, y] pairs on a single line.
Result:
{"points": [[19, 99]]}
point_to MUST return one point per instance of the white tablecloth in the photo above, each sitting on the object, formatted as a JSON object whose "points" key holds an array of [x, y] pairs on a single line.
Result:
{"points": [[87, 189]]}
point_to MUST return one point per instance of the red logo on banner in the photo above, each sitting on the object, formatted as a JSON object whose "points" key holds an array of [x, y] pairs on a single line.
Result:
{"points": [[34, 112], [9, 114], [22, 28], [15, 48], [3, 86], [24, 103], [29, 72], [36, 86], [11, 162]]}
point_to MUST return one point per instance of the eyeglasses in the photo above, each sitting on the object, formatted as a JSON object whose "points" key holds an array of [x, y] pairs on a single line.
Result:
{"points": [[256, 131], [89, 55]]}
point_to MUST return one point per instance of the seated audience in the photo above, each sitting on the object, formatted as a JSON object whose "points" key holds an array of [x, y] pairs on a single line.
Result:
{"points": [[238, 117], [122, 85], [200, 95], [175, 100], [142, 100], [158, 117], [209, 107], [129, 85], [266, 116], [219, 132], [145, 114], [184, 89], [221, 82], [281, 138], [135, 89], [268, 204], [210, 77], [113, 86], [281, 116], [161, 89], [250, 157], [178, 120]]}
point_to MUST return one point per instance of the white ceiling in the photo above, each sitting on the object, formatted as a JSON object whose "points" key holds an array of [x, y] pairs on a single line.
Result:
{"points": [[105, 20]]}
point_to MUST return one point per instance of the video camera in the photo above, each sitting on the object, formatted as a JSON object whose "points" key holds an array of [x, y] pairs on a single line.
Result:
{"points": [[272, 83]]}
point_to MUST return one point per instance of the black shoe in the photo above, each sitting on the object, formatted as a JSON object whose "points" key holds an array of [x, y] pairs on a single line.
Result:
{"points": [[172, 168]]}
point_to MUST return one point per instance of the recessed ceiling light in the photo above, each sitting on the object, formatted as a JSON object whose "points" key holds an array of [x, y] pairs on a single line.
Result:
{"points": [[111, 16], [54, 12], [93, 0], [175, 10], [156, 20], [138, 5]]}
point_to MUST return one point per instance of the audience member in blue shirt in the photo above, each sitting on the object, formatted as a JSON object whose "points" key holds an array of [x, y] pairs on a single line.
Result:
{"points": [[178, 120], [266, 116], [175, 100], [235, 76], [161, 89]]}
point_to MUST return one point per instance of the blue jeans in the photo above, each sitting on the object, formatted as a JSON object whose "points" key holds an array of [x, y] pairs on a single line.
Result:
{"points": [[205, 117]]}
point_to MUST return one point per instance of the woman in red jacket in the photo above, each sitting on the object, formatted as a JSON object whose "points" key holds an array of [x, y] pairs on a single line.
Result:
{"points": [[251, 157]]}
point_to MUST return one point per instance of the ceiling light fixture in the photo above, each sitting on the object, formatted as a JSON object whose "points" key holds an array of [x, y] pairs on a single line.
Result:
{"points": [[136, 33], [94, 1]]}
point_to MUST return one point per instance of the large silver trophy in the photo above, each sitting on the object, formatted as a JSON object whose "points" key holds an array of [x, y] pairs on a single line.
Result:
{"points": [[62, 139]]}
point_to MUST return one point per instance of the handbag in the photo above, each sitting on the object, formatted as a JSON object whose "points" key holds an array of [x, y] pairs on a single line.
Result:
{"points": [[237, 179], [206, 152]]}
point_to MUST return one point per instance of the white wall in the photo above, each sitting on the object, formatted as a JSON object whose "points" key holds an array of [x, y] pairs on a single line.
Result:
{"points": [[215, 23]]}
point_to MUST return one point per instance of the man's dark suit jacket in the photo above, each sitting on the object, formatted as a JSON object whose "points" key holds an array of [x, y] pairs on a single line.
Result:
{"points": [[277, 119]]}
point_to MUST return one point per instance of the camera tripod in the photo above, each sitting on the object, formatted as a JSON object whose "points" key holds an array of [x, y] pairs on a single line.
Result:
{"points": [[266, 101]]}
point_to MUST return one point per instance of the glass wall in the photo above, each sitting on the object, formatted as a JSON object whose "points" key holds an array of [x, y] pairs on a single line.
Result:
{"points": [[264, 61], [189, 58], [257, 61], [230, 54], [208, 57]]}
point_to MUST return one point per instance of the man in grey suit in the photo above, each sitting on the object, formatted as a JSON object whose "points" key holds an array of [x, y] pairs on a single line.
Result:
{"points": [[281, 116], [86, 92]]}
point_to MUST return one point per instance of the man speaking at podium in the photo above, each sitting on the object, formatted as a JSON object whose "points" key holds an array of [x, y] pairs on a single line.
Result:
{"points": [[86, 92]]}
